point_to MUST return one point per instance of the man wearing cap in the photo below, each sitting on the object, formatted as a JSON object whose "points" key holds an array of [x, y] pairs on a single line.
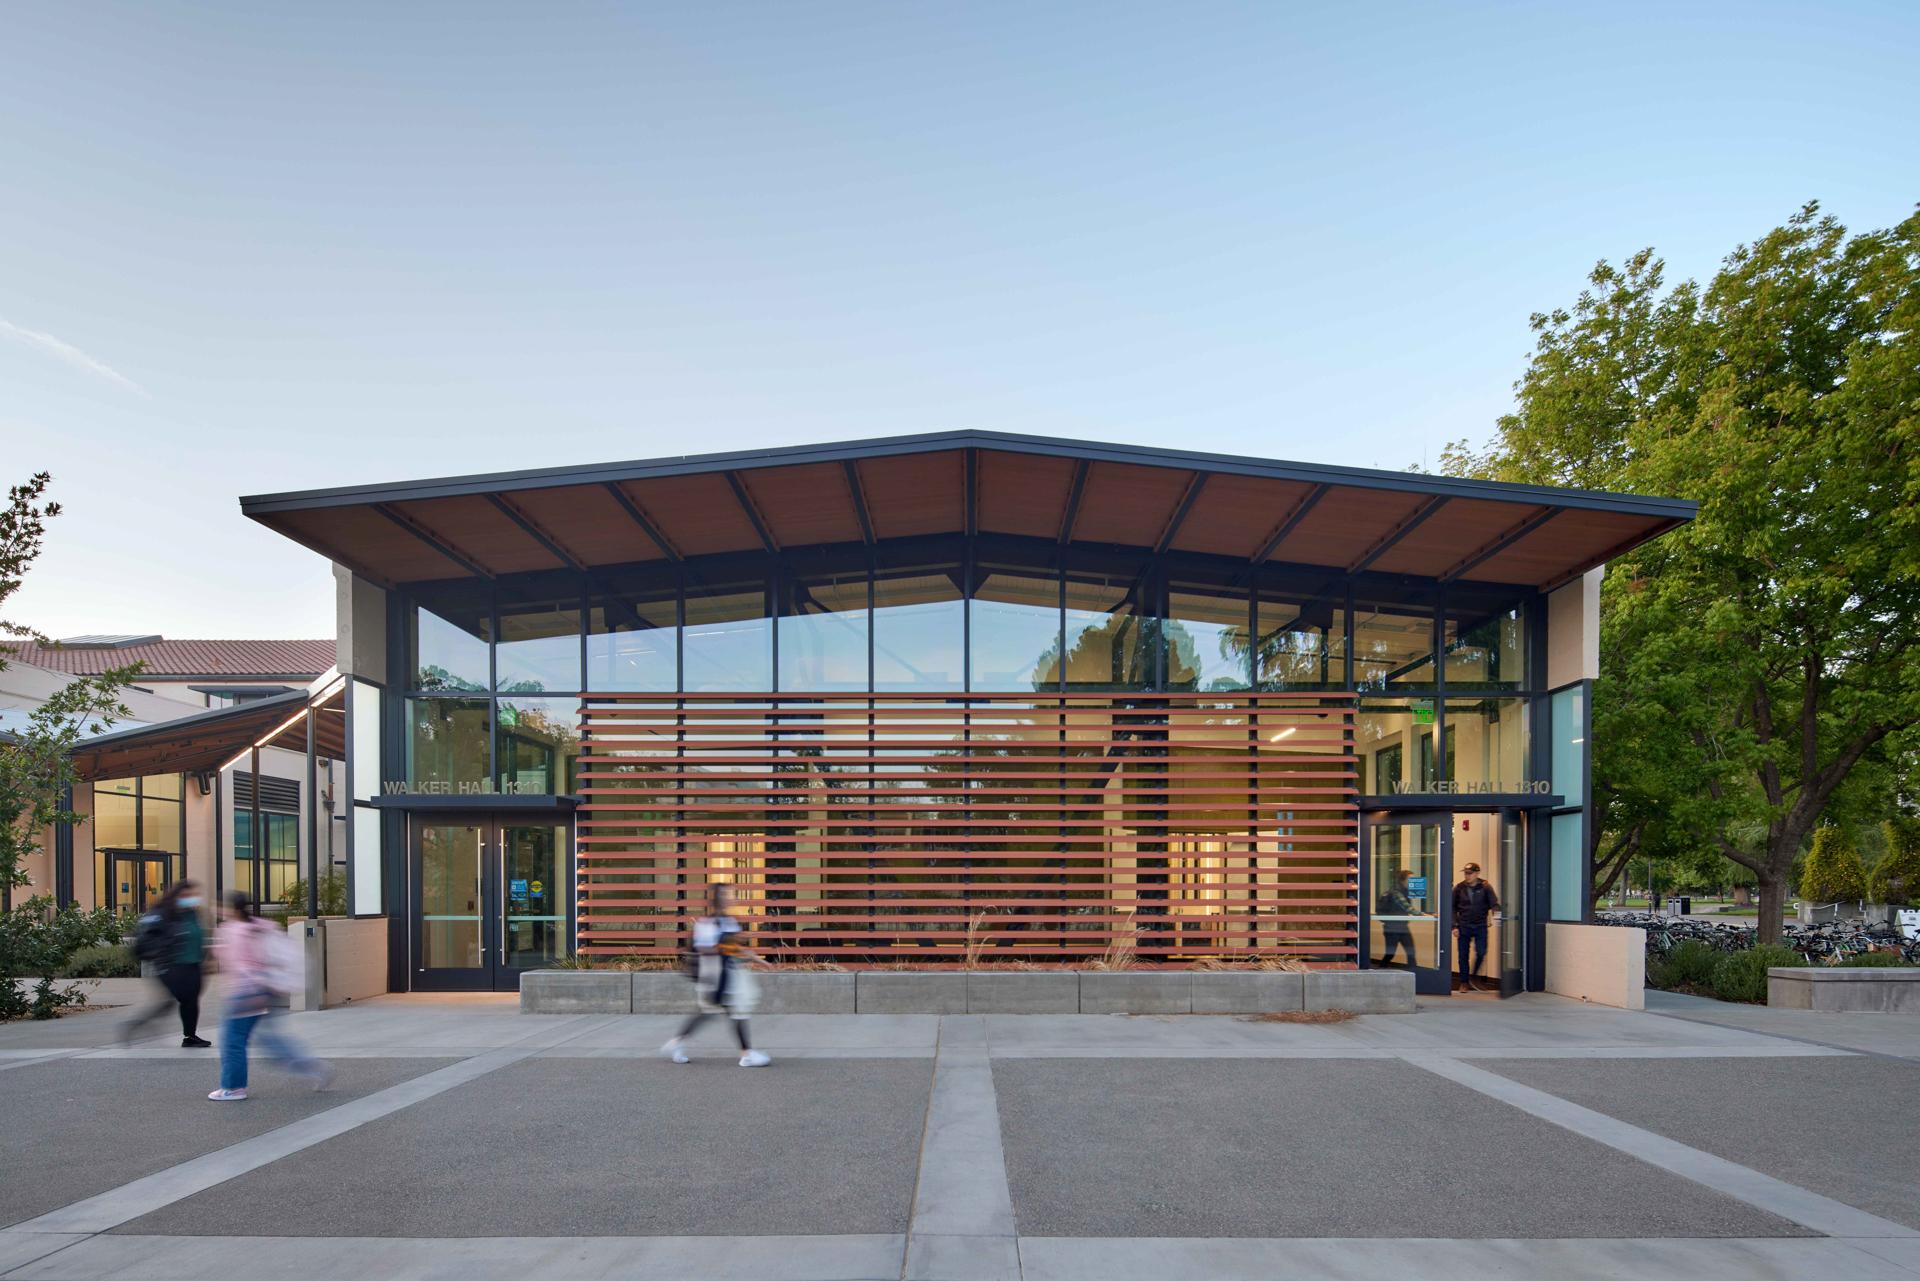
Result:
{"points": [[1473, 901]]}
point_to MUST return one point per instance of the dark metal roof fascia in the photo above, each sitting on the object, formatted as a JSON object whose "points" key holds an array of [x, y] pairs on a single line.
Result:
{"points": [[1228, 464]]}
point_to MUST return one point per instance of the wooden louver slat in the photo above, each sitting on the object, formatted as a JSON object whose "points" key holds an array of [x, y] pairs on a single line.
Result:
{"points": [[1045, 828]]}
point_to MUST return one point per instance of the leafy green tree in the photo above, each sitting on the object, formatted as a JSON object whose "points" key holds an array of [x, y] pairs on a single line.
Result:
{"points": [[1834, 871], [1753, 660], [1897, 877]]}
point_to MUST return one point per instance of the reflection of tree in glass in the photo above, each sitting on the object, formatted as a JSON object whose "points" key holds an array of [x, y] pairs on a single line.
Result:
{"points": [[439, 678]]}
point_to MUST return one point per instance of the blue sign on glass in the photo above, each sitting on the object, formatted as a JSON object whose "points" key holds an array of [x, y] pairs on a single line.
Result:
{"points": [[519, 887], [1416, 887]]}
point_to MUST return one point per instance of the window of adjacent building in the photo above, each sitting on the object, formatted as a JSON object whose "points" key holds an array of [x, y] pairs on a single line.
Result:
{"points": [[279, 864], [823, 629], [539, 645], [919, 628], [1015, 629], [727, 645]]}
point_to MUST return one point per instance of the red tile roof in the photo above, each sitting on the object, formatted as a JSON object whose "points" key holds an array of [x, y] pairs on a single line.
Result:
{"points": [[214, 659]]}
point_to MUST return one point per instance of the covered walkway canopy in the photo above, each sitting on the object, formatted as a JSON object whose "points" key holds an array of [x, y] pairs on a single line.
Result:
{"points": [[212, 740], [967, 482]]}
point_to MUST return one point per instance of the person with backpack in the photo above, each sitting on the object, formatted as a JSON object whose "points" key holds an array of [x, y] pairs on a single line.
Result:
{"points": [[1394, 909], [261, 962], [721, 984], [171, 941]]}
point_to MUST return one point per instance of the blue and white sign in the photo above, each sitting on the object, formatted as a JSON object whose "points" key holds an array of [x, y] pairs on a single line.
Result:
{"points": [[1416, 887]]}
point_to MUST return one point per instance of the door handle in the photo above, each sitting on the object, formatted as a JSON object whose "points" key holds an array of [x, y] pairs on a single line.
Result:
{"points": [[504, 896]]}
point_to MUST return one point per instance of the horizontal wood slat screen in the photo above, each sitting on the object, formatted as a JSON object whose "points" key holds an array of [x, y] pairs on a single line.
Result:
{"points": [[928, 829]]}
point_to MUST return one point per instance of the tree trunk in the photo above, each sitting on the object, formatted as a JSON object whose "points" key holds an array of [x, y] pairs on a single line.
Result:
{"points": [[1773, 900]]}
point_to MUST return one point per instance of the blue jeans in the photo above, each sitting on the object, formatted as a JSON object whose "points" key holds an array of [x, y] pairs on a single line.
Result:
{"points": [[1475, 935], [239, 1029]]}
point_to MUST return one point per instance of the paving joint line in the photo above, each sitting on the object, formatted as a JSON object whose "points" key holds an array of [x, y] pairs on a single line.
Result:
{"points": [[1783, 1200], [104, 1211], [1697, 1021]]}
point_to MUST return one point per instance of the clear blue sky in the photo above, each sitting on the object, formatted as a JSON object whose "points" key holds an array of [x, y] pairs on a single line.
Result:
{"points": [[249, 247]]}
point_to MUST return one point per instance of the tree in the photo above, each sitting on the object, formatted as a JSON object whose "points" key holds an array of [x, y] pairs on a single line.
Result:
{"points": [[1897, 878], [36, 769], [1834, 872], [1761, 654]]}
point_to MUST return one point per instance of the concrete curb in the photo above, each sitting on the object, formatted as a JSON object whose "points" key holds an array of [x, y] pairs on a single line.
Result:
{"points": [[990, 992]]}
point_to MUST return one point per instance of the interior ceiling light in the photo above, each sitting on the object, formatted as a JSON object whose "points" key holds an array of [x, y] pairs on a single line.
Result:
{"points": [[1283, 733]]}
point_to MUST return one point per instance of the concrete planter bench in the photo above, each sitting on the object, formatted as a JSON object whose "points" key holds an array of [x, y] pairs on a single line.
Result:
{"points": [[1888, 991], [989, 992], [576, 992]]}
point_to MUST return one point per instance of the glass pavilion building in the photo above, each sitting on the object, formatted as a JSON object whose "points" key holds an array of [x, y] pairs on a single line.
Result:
{"points": [[967, 694]]}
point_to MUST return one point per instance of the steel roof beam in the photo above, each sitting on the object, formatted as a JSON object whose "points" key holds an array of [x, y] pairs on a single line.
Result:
{"points": [[640, 518], [435, 541], [1487, 551], [1399, 532], [1287, 526], [1197, 483], [551, 545], [753, 513], [1072, 512], [859, 496]]}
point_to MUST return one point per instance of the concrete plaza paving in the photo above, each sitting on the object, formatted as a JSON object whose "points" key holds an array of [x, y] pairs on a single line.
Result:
{"points": [[1534, 1137]]}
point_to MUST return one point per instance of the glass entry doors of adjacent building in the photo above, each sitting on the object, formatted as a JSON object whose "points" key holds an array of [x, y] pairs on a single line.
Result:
{"points": [[1413, 861], [136, 880], [491, 899]]}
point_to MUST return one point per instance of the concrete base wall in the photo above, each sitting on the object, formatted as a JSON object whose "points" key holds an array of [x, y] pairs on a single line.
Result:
{"points": [[985, 992], [1889, 991], [346, 960], [1604, 964]]}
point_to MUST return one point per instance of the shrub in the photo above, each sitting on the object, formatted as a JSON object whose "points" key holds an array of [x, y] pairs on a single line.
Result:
{"points": [[1742, 975], [36, 940], [1834, 872], [1690, 964], [1873, 961], [1897, 879], [106, 961], [333, 897]]}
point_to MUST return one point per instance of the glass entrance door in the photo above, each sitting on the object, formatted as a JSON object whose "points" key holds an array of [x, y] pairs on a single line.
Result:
{"points": [[1409, 874], [491, 900], [136, 881], [1512, 915]]}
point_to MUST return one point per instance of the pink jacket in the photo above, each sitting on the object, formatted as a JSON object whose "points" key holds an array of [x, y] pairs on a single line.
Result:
{"points": [[242, 949]]}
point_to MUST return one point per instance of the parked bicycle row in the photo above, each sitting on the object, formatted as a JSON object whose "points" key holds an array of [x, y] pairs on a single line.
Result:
{"points": [[1832, 941]]}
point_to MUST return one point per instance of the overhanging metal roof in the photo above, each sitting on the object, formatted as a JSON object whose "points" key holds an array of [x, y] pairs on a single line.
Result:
{"points": [[1251, 509]]}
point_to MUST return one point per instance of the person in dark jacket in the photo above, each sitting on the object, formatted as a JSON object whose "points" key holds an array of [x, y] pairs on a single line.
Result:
{"points": [[1473, 903], [1395, 906], [178, 949]]}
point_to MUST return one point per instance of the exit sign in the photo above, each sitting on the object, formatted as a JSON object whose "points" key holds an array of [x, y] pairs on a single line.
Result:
{"points": [[1423, 713]]}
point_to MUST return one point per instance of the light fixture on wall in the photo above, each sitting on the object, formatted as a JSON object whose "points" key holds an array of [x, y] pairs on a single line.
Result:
{"points": [[205, 779], [1285, 733]]}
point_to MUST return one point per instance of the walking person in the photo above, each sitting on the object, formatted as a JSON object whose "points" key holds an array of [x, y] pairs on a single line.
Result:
{"points": [[1473, 902], [172, 941], [722, 984], [1395, 906], [260, 964]]}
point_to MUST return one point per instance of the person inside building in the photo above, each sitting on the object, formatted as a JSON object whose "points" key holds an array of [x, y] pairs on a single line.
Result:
{"points": [[1474, 903], [1395, 906], [172, 942], [722, 982]]}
